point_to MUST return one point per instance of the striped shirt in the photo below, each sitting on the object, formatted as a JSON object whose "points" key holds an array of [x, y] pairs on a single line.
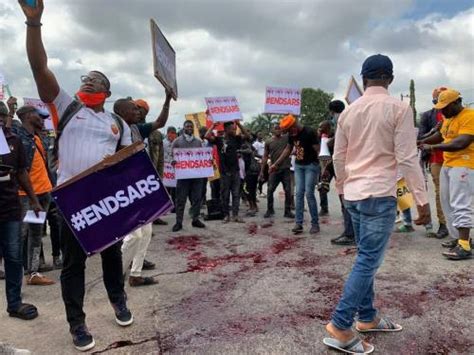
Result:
{"points": [[87, 138]]}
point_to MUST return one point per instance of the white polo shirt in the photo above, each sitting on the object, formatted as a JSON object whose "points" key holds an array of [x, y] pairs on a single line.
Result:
{"points": [[87, 138], [259, 147]]}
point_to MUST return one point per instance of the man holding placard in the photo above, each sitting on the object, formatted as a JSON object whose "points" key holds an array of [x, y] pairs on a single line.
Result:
{"points": [[188, 187], [86, 134]]}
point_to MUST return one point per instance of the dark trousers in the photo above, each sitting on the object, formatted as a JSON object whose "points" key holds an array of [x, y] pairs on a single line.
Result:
{"points": [[204, 192], [323, 195], [348, 228], [54, 221], [230, 184], [251, 181], [265, 179], [283, 176], [216, 189], [72, 275], [191, 188]]}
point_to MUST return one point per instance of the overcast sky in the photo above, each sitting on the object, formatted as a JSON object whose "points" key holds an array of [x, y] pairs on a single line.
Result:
{"points": [[226, 48]]}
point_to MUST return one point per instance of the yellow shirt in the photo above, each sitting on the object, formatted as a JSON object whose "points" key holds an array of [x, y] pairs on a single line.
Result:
{"points": [[453, 127]]}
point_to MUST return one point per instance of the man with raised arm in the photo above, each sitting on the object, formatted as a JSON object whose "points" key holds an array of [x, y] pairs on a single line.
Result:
{"points": [[86, 134]]}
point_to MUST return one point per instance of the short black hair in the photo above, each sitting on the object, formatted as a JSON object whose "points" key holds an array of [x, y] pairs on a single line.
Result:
{"points": [[336, 106], [171, 129], [228, 124], [119, 104]]}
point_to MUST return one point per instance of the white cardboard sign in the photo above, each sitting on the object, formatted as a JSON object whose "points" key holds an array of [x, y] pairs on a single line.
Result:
{"points": [[223, 109], [192, 163], [283, 101]]}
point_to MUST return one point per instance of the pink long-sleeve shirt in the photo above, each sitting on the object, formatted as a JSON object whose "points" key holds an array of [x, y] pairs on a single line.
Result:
{"points": [[374, 136]]}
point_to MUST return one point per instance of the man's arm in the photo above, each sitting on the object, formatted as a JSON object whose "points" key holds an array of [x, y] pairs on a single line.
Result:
{"points": [[25, 183], [245, 132], [435, 138], [48, 88], [459, 143], [339, 157], [165, 111], [209, 136], [12, 106], [284, 155]]}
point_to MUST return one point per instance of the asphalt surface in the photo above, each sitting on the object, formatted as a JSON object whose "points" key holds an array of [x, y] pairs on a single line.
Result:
{"points": [[255, 288]]}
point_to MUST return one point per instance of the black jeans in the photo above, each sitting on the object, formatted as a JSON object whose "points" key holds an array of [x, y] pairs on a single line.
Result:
{"points": [[191, 188], [283, 176], [216, 189], [323, 195], [251, 181], [54, 221], [72, 275], [230, 184]]}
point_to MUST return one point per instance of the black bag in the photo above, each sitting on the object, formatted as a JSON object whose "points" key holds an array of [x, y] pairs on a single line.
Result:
{"points": [[214, 210]]}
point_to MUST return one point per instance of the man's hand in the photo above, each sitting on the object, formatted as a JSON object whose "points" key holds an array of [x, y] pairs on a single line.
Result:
{"points": [[33, 14], [272, 168], [12, 104], [424, 215], [36, 207], [168, 96], [426, 147]]}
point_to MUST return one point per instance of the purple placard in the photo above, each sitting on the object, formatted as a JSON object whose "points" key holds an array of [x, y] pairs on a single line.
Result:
{"points": [[104, 206]]}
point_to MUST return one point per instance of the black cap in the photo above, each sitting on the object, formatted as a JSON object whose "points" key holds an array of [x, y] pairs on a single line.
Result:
{"points": [[28, 108], [377, 66]]}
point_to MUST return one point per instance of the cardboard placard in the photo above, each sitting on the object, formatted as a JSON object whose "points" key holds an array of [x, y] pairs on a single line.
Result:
{"points": [[283, 101], [353, 91], [193, 163], [223, 109]]}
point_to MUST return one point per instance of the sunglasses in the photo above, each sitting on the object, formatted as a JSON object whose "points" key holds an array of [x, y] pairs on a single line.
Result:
{"points": [[87, 79]]}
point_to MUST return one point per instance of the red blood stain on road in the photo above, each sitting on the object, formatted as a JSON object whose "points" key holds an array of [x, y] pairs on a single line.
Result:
{"points": [[199, 262], [252, 228], [186, 242], [285, 244]]}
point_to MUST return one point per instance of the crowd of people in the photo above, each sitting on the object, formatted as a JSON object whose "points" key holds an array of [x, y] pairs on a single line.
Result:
{"points": [[370, 145]]}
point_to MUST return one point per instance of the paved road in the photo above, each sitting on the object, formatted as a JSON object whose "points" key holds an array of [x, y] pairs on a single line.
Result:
{"points": [[254, 288]]}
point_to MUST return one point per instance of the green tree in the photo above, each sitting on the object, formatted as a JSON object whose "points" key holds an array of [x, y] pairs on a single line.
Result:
{"points": [[413, 99], [262, 122], [314, 106]]}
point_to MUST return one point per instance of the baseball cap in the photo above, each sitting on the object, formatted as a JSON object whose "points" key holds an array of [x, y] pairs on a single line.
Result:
{"points": [[287, 122], [446, 97], [377, 65], [27, 109], [3, 109]]}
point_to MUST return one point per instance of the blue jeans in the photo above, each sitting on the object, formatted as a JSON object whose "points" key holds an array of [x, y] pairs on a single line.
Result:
{"points": [[11, 248], [306, 177], [373, 220]]}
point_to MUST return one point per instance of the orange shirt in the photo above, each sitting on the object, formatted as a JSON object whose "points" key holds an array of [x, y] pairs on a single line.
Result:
{"points": [[38, 172]]}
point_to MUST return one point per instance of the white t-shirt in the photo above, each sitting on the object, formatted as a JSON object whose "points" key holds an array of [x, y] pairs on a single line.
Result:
{"points": [[87, 138], [259, 147]]}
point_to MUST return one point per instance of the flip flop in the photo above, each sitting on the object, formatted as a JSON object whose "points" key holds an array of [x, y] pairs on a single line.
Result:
{"points": [[353, 346], [385, 325], [25, 311]]}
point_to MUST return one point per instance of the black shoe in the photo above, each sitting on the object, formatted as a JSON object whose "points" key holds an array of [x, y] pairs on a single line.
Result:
{"points": [[198, 224], [177, 227], [45, 268], [450, 243], [160, 222], [297, 229], [123, 316], [458, 253], [314, 229], [323, 212], [343, 240], [148, 265], [269, 214], [442, 231], [289, 215], [2, 275], [82, 339]]}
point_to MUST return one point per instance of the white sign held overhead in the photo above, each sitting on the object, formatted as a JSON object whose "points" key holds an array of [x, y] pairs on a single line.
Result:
{"points": [[223, 109], [283, 100], [353, 91]]}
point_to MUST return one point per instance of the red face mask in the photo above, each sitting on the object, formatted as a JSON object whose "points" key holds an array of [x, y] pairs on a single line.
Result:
{"points": [[91, 99]]}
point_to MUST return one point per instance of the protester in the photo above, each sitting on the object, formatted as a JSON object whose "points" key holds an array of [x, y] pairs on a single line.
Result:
{"points": [[168, 157], [456, 141], [259, 146], [327, 168], [135, 244], [188, 188], [431, 122], [13, 173], [227, 146], [367, 178], [35, 146], [274, 147], [84, 138], [252, 169], [205, 144], [306, 144]]}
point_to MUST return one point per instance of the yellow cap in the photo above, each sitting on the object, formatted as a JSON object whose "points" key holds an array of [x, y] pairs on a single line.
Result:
{"points": [[446, 97]]}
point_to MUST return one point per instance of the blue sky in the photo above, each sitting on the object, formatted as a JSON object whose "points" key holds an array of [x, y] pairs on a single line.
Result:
{"points": [[446, 8]]}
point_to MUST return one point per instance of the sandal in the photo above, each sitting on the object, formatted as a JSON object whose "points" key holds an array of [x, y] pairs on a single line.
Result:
{"points": [[385, 325], [353, 346], [25, 311]]}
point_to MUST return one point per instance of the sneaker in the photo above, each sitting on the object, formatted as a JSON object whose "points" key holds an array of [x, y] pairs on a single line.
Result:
{"points": [[148, 265], [82, 339], [458, 253], [269, 214], [37, 279], [237, 219], [398, 219], [289, 215], [297, 229], [324, 212], [314, 229], [343, 240], [404, 229], [198, 224], [442, 231], [177, 227], [135, 281], [450, 243], [123, 316], [57, 262]]}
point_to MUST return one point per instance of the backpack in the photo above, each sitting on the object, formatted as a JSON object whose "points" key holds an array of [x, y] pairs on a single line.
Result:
{"points": [[68, 114]]}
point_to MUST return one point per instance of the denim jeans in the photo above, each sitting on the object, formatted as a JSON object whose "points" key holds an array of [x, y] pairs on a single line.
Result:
{"points": [[306, 177], [348, 228], [11, 248], [373, 220]]}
